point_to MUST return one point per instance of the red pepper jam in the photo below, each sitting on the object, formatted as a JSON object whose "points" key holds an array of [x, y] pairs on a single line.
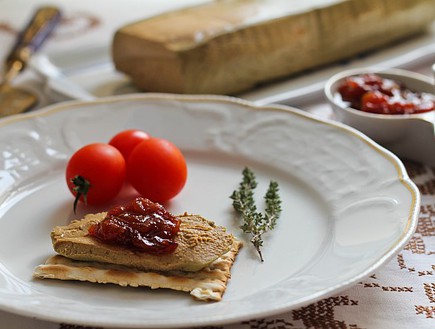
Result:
{"points": [[374, 94], [141, 226]]}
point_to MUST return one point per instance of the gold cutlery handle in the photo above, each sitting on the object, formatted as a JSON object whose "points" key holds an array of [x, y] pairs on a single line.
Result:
{"points": [[32, 37]]}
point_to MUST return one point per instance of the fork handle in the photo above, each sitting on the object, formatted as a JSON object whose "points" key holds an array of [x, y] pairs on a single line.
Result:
{"points": [[33, 36]]}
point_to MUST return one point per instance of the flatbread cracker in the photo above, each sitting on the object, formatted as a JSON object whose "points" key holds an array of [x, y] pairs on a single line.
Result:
{"points": [[208, 284]]}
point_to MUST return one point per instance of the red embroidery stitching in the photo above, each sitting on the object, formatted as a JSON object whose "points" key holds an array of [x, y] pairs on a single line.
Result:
{"points": [[428, 311], [429, 289]]}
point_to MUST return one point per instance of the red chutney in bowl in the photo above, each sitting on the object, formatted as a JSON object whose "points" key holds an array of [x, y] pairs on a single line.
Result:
{"points": [[374, 94]]}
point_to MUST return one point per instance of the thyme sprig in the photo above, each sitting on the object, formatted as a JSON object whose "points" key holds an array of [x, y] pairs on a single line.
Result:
{"points": [[256, 223]]}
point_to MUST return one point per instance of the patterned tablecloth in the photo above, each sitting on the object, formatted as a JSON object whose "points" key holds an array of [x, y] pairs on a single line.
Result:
{"points": [[399, 295]]}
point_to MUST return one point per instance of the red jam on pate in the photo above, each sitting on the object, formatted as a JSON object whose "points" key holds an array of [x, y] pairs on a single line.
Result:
{"points": [[142, 225], [374, 94]]}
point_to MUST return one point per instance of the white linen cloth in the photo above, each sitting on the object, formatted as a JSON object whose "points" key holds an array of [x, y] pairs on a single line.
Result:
{"points": [[400, 295]]}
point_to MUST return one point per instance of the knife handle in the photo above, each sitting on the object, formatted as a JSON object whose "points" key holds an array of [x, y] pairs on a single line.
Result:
{"points": [[33, 36]]}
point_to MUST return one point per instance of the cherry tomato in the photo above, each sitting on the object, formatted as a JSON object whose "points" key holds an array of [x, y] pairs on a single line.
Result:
{"points": [[126, 140], [157, 169], [95, 173]]}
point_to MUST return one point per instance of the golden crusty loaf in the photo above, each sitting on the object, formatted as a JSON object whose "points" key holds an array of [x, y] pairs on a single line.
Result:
{"points": [[208, 284], [229, 46], [200, 242]]}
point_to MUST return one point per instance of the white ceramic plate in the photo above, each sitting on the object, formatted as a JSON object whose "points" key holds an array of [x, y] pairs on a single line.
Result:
{"points": [[348, 206], [89, 73]]}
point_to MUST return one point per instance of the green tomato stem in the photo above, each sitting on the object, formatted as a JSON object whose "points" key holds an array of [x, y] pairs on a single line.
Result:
{"points": [[81, 187]]}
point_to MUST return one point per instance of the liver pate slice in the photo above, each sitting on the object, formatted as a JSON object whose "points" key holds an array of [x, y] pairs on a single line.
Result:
{"points": [[200, 242]]}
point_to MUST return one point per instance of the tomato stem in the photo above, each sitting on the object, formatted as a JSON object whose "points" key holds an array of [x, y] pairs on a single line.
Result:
{"points": [[81, 187]]}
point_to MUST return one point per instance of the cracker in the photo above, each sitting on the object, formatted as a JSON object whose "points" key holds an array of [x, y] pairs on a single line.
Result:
{"points": [[208, 284]]}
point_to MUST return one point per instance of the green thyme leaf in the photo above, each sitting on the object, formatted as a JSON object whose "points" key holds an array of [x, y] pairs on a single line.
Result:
{"points": [[256, 223]]}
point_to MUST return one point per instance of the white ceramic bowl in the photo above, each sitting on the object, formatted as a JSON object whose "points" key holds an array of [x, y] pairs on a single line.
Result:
{"points": [[410, 136]]}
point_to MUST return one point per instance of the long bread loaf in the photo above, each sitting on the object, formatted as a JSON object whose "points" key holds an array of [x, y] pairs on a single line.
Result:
{"points": [[230, 46]]}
